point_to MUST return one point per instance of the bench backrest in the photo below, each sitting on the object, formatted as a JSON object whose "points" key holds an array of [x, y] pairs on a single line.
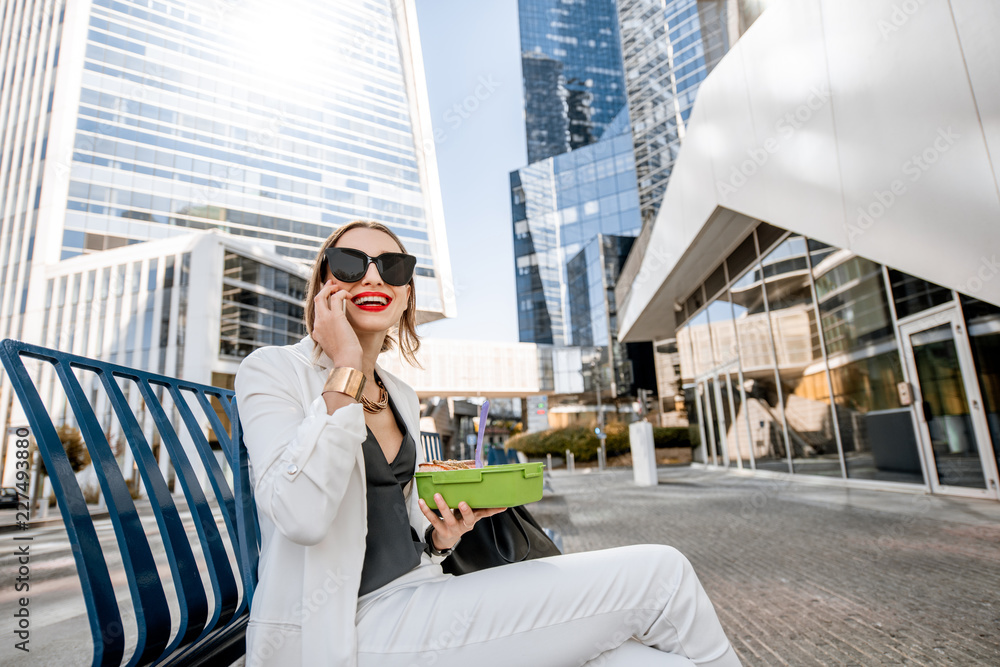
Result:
{"points": [[201, 623], [431, 442]]}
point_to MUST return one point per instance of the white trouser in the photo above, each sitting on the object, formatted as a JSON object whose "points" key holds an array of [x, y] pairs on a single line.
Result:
{"points": [[565, 611]]}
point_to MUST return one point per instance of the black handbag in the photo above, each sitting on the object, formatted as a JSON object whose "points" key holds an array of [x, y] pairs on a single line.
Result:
{"points": [[509, 537]]}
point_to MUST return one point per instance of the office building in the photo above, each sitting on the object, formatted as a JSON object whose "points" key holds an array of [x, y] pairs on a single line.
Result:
{"points": [[575, 202], [572, 69], [668, 48], [135, 121], [592, 275], [823, 253], [558, 205]]}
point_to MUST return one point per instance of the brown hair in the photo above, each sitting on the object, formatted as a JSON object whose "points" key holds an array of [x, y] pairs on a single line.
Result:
{"points": [[409, 342]]}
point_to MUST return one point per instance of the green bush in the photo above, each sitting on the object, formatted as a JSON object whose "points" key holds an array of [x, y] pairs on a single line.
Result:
{"points": [[583, 442]]}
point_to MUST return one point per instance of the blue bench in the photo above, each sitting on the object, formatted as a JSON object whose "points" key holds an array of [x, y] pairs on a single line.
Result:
{"points": [[431, 442], [208, 634]]}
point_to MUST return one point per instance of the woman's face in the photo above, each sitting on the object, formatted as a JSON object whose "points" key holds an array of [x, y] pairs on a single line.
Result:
{"points": [[371, 317]]}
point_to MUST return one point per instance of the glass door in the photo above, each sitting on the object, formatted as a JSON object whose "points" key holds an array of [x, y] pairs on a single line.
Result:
{"points": [[948, 407], [723, 418], [718, 402]]}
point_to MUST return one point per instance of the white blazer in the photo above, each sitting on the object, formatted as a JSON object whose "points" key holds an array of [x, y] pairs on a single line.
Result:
{"points": [[308, 472]]}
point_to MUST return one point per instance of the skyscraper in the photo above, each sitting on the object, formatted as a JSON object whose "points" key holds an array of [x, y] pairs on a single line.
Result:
{"points": [[668, 47], [559, 204], [572, 67], [575, 206], [131, 121], [271, 122]]}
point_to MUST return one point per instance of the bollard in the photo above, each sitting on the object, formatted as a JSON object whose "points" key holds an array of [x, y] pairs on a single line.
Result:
{"points": [[548, 463], [569, 461], [640, 435], [46, 492]]}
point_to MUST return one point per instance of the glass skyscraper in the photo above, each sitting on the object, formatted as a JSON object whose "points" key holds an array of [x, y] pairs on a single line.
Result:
{"points": [[274, 122], [592, 275], [131, 121], [560, 204], [669, 47], [572, 67], [577, 194]]}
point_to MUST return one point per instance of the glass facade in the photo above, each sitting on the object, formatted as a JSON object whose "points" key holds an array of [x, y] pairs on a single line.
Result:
{"points": [[291, 121], [572, 68], [558, 205], [592, 275], [261, 305], [801, 357], [668, 47], [29, 51]]}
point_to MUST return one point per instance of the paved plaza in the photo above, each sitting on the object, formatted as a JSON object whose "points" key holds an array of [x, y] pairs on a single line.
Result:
{"points": [[801, 574], [807, 574]]}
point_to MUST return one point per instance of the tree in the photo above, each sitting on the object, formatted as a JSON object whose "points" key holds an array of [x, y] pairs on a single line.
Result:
{"points": [[76, 449]]}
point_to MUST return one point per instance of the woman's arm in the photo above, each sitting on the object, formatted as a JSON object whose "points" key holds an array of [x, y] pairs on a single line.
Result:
{"points": [[302, 457]]}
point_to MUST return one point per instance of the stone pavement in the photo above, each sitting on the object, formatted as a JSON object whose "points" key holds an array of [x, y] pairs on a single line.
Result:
{"points": [[809, 574]]}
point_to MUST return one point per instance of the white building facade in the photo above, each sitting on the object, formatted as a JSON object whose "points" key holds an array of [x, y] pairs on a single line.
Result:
{"points": [[823, 255]]}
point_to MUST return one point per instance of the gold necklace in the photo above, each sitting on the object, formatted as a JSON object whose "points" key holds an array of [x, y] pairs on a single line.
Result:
{"points": [[373, 407]]}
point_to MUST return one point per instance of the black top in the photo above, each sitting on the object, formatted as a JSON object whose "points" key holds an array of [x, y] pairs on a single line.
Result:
{"points": [[392, 547]]}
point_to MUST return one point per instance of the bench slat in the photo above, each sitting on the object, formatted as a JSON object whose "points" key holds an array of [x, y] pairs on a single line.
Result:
{"points": [[246, 510], [98, 593], [214, 551], [148, 599], [191, 598]]}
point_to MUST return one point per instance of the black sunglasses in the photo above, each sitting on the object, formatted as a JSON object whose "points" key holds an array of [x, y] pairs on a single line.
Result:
{"points": [[350, 265]]}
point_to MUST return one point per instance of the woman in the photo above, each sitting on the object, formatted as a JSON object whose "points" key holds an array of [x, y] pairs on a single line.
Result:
{"points": [[350, 559]]}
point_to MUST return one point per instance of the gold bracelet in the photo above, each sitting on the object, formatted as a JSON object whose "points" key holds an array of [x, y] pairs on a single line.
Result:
{"points": [[346, 380]]}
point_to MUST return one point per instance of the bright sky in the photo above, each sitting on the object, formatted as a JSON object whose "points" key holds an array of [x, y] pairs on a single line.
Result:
{"points": [[472, 61]]}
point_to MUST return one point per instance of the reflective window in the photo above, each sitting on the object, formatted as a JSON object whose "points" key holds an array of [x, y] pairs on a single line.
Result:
{"points": [[261, 305], [735, 443], [912, 295], [876, 430], [804, 387], [982, 321], [945, 408], [759, 379]]}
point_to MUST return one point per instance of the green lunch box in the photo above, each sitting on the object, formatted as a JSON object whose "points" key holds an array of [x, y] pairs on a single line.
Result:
{"points": [[507, 485]]}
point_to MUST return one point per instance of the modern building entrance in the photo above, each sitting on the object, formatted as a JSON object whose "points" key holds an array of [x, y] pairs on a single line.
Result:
{"points": [[804, 358], [952, 424]]}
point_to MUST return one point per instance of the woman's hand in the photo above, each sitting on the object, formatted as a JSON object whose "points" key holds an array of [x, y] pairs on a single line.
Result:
{"points": [[452, 524], [332, 330]]}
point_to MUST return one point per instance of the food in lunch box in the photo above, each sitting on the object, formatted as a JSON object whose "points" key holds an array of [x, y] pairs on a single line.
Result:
{"points": [[450, 464]]}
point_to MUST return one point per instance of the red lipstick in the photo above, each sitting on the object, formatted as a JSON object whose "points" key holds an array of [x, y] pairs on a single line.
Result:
{"points": [[374, 302]]}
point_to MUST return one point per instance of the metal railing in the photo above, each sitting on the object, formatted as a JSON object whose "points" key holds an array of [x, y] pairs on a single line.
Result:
{"points": [[201, 625]]}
